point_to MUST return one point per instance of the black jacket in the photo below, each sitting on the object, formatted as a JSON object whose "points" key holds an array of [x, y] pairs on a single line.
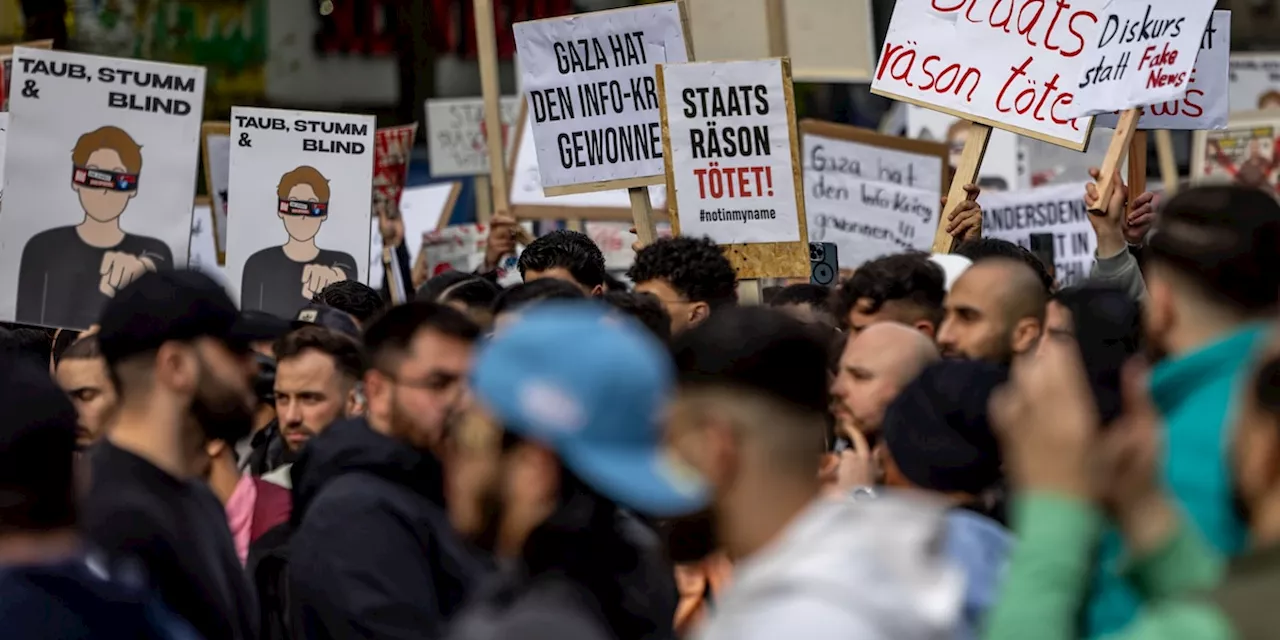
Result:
{"points": [[373, 554]]}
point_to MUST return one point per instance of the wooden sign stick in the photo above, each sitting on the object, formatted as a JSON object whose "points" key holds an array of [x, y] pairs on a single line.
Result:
{"points": [[1168, 164], [975, 147], [1137, 166], [1125, 129], [487, 48], [642, 215]]}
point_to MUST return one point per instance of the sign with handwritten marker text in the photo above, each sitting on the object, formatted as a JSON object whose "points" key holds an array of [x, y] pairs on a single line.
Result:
{"points": [[456, 136], [871, 195], [1207, 104], [1010, 66], [1142, 53], [731, 167], [589, 81]]}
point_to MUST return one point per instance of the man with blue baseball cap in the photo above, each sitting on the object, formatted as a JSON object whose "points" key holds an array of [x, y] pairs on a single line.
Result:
{"points": [[569, 401]]}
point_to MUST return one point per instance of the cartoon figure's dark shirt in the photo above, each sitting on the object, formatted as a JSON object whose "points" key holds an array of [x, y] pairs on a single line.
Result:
{"points": [[272, 281], [59, 277]]}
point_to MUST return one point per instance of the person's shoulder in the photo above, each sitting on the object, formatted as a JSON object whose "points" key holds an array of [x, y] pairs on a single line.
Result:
{"points": [[142, 245], [269, 254], [353, 497], [53, 237], [340, 259]]}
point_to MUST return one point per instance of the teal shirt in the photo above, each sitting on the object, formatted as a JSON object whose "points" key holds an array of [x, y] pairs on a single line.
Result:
{"points": [[1196, 395]]}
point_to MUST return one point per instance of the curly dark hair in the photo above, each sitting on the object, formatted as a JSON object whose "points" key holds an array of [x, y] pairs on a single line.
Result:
{"points": [[570, 250], [696, 267], [983, 248], [644, 307], [361, 301], [908, 277]]}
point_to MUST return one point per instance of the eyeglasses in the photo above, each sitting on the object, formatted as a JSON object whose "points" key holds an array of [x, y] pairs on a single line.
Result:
{"points": [[100, 179], [303, 208]]}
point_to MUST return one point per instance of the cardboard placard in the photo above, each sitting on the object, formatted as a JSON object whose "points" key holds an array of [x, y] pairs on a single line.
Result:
{"points": [[456, 134], [589, 83], [203, 254], [392, 146], [1060, 210], [614, 240], [1206, 104], [529, 203], [732, 162], [424, 209], [1249, 143], [1004, 169], [4, 128], [215, 145], [100, 168], [461, 247], [1141, 53], [1255, 81], [870, 194], [6, 66], [976, 65], [300, 219], [827, 40]]}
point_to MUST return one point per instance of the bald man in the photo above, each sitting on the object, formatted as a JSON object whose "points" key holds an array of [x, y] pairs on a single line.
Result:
{"points": [[994, 312], [875, 366]]}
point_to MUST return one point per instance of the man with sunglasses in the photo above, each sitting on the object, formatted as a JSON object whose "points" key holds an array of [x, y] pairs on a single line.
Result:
{"points": [[282, 280], [68, 273], [374, 555]]}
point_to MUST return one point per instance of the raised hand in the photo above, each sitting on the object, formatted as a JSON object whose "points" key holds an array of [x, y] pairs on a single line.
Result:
{"points": [[118, 269]]}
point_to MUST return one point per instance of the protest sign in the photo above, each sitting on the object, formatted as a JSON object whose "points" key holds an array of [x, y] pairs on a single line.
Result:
{"points": [[77, 229], [529, 202], [870, 194], [1255, 81], [1004, 167], [456, 134], [589, 83], [1142, 53], [614, 240], [423, 209], [461, 248], [1206, 104], [1249, 142], [1010, 67], [827, 40], [204, 253], [1059, 210], [4, 127], [6, 66], [733, 167], [392, 146], [312, 174], [216, 143]]}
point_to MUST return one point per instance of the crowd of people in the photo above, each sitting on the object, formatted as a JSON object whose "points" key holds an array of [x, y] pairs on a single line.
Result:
{"points": [[940, 447]]}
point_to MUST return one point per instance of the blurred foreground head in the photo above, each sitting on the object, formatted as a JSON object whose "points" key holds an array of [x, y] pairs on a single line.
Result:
{"points": [[1213, 265], [37, 443]]}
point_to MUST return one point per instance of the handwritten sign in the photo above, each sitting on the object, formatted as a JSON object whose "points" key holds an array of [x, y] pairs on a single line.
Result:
{"points": [[392, 146], [456, 134], [870, 194], [730, 169], [1059, 210], [614, 240], [1255, 81], [1009, 66], [589, 82], [528, 200], [1142, 53], [1206, 104], [424, 209]]}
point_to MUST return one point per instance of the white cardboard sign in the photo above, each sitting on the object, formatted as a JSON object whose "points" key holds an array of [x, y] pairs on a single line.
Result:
{"points": [[4, 128], [589, 82], [422, 208], [730, 143], [869, 200], [1058, 209], [300, 219], [1009, 66], [456, 141], [219, 152], [100, 170], [1207, 103], [1255, 81], [204, 254], [1141, 53]]}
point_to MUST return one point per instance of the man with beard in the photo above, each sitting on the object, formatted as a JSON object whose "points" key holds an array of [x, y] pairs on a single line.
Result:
{"points": [[373, 555], [179, 355], [994, 312], [567, 422]]}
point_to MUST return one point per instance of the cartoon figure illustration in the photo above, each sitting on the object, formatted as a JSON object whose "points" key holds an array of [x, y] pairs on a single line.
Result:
{"points": [[68, 273], [281, 280]]}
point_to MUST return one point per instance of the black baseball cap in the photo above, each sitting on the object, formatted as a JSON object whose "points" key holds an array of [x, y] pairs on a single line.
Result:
{"points": [[181, 304], [329, 318]]}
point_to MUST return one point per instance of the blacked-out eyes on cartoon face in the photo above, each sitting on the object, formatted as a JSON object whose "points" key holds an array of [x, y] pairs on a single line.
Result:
{"points": [[303, 208], [95, 178]]}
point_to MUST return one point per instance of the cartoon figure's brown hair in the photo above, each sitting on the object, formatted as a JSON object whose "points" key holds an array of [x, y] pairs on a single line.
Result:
{"points": [[304, 175], [113, 138], [1270, 96]]}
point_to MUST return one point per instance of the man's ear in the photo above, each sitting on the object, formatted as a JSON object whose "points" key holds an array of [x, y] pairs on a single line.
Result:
{"points": [[699, 311], [929, 329], [75, 187], [596, 291], [1025, 334], [133, 194], [324, 217], [214, 448]]}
